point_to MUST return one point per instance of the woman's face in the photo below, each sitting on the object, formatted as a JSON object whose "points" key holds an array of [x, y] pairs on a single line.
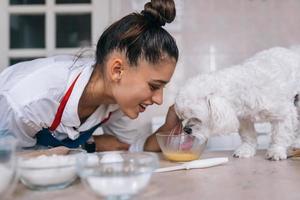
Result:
{"points": [[143, 85]]}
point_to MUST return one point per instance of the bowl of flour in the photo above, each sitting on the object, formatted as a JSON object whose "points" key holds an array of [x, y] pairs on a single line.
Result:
{"points": [[48, 172], [116, 175]]}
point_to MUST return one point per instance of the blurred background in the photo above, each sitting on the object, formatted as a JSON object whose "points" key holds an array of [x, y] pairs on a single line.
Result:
{"points": [[211, 35]]}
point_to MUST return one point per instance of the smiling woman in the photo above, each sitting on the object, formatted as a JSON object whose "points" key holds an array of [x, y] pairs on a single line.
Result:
{"points": [[69, 98]]}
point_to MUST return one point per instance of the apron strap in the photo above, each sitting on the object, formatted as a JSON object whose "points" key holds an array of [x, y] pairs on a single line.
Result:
{"points": [[62, 106]]}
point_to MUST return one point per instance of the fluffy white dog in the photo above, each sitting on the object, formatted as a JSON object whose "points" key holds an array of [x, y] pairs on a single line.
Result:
{"points": [[263, 89]]}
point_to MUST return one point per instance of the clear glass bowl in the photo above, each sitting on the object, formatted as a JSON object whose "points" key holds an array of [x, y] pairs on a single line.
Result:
{"points": [[8, 174], [181, 147], [116, 175], [49, 172]]}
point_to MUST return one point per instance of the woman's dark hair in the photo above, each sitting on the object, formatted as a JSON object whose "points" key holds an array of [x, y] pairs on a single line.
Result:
{"points": [[140, 35]]}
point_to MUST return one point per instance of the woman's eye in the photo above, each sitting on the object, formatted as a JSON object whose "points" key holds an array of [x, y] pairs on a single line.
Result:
{"points": [[153, 87]]}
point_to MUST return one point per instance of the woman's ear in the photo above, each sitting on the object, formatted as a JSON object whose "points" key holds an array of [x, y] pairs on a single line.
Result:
{"points": [[115, 69], [222, 116]]}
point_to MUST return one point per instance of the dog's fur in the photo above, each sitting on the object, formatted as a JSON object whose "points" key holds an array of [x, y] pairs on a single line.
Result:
{"points": [[262, 89]]}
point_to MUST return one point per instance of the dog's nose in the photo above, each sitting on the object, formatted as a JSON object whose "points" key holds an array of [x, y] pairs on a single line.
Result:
{"points": [[188, 130]]}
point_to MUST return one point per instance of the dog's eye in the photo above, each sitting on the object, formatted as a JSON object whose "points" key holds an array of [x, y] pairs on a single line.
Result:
{"points": [[194, 121]]}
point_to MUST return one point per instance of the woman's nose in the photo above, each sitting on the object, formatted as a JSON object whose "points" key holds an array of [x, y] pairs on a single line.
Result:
{"points": [[157, 97]]}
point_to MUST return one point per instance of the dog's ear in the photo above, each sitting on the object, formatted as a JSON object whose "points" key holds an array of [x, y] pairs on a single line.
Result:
{"points": [[223, 118]]}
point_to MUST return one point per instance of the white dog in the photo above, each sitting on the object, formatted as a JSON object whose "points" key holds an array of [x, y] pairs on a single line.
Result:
{"points": [[262, 89]]}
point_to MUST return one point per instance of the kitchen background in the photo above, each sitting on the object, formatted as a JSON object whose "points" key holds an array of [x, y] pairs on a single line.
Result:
{"points": [[211, 35]]}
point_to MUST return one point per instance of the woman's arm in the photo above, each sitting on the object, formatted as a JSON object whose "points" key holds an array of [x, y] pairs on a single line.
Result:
{"points": [[14, 123], [172, 120], [107, 142], [151, 143]]}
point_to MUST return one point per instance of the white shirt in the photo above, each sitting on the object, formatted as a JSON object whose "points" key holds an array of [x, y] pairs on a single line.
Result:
{"points": [[30, 93]]}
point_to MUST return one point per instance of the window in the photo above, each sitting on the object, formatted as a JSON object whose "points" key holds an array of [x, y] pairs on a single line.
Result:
{"points": [[72, 1], [40, 28], [13, 61], [20, 2], [73, 30], [27, 31]]}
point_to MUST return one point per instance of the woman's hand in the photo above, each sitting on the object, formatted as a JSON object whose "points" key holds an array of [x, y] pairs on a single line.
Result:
{"points": [[109, 143], [172, 121]]}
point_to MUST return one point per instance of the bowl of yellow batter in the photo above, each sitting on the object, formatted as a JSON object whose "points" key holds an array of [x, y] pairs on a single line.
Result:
{"points": [[180, 147]]}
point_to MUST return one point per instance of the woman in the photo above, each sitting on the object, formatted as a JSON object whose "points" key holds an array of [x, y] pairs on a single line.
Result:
{"points": [[62, 100]]}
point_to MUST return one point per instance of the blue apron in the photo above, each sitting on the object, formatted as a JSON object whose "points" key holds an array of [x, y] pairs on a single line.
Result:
{"points": [[46, 138]]}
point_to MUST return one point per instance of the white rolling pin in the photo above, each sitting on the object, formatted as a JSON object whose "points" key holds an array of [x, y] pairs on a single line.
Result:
{"points": [[196, 164]]}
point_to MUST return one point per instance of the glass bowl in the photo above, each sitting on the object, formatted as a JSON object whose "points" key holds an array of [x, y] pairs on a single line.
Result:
{"points": [[49, 172], [181, 147], [8, 174], [116, 175]]}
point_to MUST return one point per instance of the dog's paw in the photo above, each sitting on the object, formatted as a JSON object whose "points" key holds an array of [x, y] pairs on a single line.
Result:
{"points": [[276, 153], [245, 151]]}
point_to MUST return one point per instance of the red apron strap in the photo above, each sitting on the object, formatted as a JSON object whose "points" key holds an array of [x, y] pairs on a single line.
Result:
{"points": [[62, 106], [106, 119]]}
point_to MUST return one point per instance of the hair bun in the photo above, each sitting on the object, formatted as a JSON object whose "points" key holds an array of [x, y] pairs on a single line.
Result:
{"points": [[160, 11]]}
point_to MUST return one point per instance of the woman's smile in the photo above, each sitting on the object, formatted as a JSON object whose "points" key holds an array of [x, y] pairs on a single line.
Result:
{"points": [[142, 107]]}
